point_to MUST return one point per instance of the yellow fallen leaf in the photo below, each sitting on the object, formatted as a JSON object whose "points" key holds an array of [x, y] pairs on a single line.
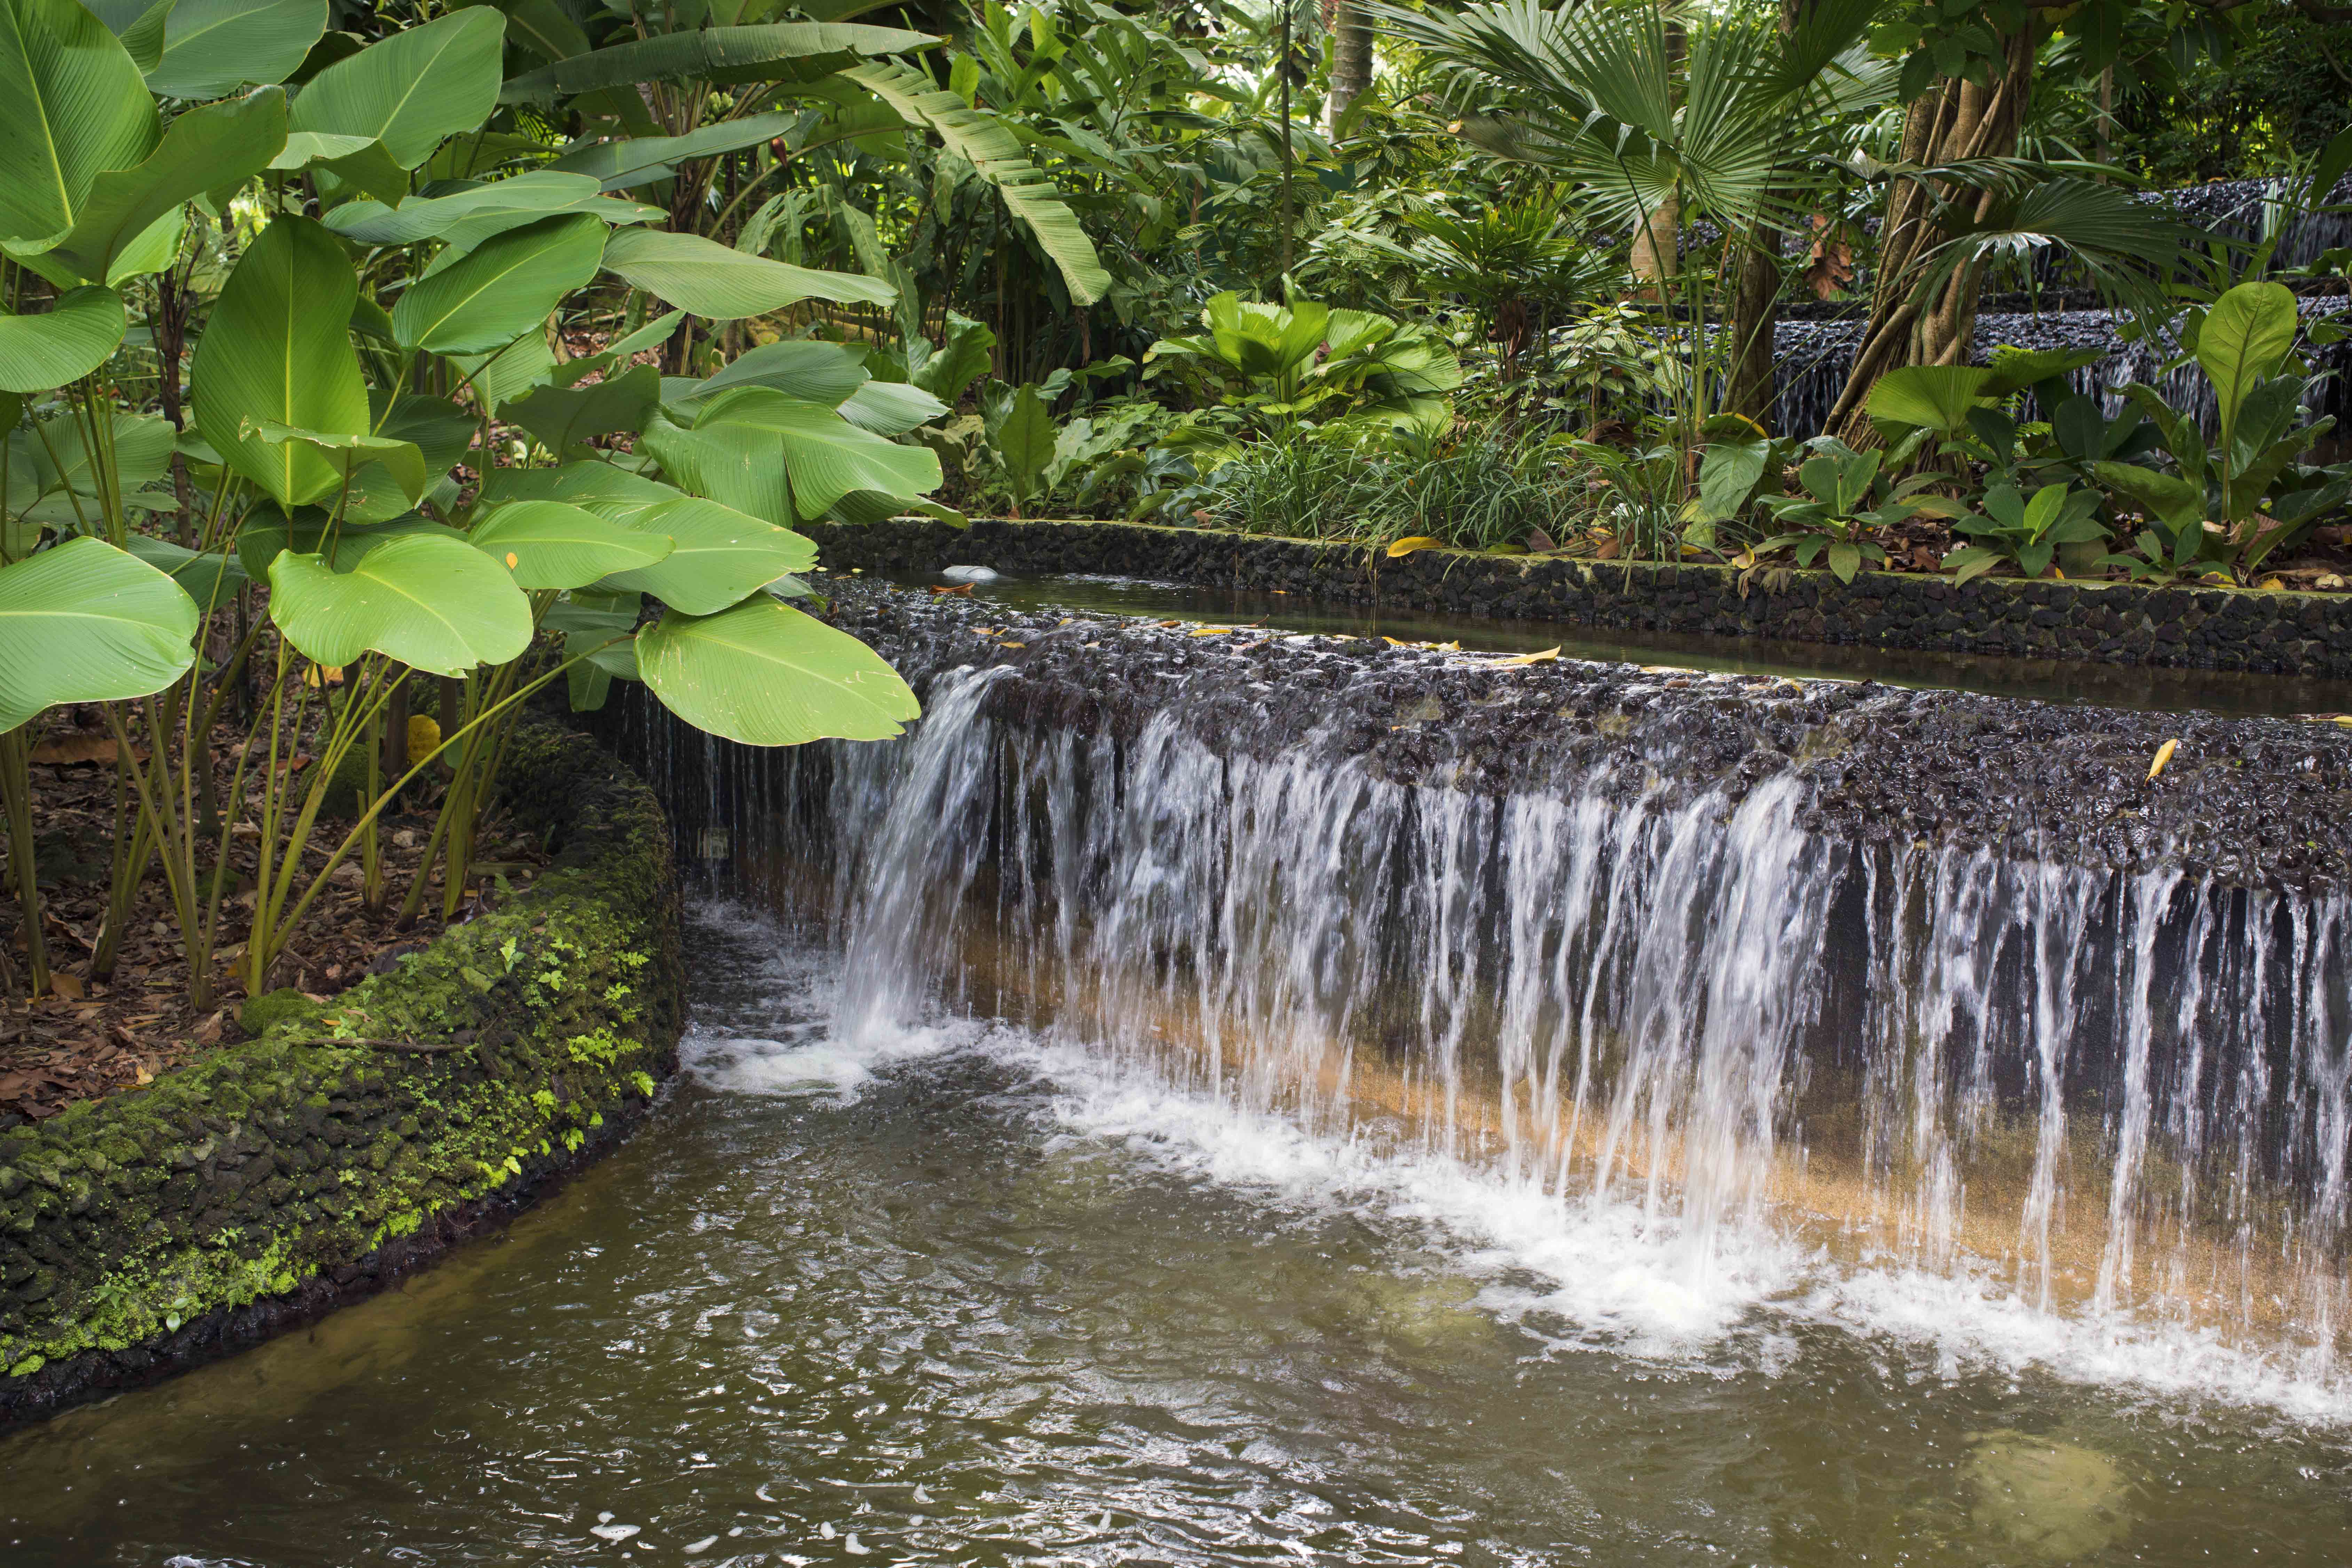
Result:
{"points": [[1012, 644], [1418, 542], [1394, 642], [1447, 647], [513, 561], [2163, 755], [2272, 583], [1208, 631], [1549, 656]]}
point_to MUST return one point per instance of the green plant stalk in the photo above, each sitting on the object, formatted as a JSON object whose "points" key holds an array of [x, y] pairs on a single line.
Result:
{"points": [[16, 796], [375, 808]]}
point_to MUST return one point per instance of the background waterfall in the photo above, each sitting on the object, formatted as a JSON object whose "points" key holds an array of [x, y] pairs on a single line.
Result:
{"points": [[2122, 1094]]}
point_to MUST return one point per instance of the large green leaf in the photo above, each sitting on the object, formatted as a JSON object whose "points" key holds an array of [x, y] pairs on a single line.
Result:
{"points": [[63, 344], [278, 349], [86, 623], [139, 24], [607, 490], [348, 455], [748, 443], [812, 371], [1022, 431], [766, 675], [722, 283], [210, 146], [501, 288], [313, 531], [551, 544], [411, 88], [72, 105], [207, 578], [996, 155], [890, 407], [442, 430], [465, 218], [1935, 397], [720, 554], [564, 417], [2246, 337], [214, 46], [641, 160], [498, 379], [438, 604], [731, 52]]}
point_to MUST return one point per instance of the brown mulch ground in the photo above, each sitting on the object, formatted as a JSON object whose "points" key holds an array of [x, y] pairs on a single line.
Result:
{"points": [[98, 1034]]}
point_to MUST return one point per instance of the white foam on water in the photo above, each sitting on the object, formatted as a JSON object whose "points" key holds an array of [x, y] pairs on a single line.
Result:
{"points": [[1576, 1273]]}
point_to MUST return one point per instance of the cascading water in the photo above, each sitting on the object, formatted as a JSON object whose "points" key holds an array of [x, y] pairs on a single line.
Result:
{"points": [[1739, 998]]}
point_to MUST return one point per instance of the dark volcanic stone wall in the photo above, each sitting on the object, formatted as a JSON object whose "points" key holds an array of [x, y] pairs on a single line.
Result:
{"points": [[266, 1183], [2248, 803], [2197, 629]]}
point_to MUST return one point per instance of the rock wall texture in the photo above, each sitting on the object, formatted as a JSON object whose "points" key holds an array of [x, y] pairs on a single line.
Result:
{"points": [[2197, 629], [267, 1183]]}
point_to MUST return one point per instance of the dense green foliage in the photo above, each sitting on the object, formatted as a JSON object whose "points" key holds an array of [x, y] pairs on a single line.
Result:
{"points": [[435, 356]]}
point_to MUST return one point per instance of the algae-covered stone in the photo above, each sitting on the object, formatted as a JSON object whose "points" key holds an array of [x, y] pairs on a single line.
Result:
{"points": [[263, 1013]]}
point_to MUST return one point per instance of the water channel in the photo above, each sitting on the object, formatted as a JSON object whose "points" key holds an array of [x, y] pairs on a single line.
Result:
{"points": [[983, 1227]]}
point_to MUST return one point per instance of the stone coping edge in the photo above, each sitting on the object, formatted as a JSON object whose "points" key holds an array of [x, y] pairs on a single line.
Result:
{"points": [[2267, 632], [260, 1187]]}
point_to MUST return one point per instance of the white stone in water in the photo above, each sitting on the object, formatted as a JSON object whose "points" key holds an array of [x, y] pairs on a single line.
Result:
{"points": [[694, 1547], [613, 1532], [970, 573]]}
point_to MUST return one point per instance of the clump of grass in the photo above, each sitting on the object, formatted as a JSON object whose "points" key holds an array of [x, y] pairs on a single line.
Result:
{"points": [[1474, 491]]}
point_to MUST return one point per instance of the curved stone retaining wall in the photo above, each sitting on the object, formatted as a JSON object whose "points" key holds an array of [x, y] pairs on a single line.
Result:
{"points": [[259, 1187], [2114, 623]]}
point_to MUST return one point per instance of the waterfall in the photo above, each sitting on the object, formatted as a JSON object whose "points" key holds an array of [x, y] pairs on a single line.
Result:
{"points": [[1613, 978]]}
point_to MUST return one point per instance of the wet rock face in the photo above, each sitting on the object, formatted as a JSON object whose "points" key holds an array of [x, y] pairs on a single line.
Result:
{"points": [[2250, 802]]}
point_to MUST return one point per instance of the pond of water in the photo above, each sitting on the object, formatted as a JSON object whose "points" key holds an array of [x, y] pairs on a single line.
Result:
{"points": [[960, 1293]]}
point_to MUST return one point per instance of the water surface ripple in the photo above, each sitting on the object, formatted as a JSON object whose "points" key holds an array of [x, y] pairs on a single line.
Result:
{"points": [[957, 1295]]}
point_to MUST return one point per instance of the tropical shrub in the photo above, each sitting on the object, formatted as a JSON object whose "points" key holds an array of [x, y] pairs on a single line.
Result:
{"points": [[339, 447]]}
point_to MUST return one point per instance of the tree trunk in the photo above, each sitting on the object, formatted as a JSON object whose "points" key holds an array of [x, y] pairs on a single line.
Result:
{"points": [[1958, 120], [1755, 314], [1351, 61]]}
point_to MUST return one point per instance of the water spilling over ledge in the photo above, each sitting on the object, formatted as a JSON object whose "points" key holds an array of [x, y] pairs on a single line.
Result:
{"points": [[1940, 983]]}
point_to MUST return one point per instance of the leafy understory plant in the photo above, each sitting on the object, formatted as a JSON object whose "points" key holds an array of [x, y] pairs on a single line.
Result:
{"points": [[338, 443], [2024, 532], [1848, 496]]}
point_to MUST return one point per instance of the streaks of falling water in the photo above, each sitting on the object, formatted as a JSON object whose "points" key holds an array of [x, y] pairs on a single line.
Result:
{"points": [[2130, 1093]]}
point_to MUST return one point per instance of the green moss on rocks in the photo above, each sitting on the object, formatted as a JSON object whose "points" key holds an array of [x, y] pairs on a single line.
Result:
{"points": [[284, 1006], [271, 1178]]}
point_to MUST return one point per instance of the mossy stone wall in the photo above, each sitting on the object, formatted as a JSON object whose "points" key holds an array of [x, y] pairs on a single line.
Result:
{"points": [[2195, 628], [260, 1186]]}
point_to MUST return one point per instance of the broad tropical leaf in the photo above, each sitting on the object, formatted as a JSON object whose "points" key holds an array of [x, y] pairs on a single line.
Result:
{"points": [[207, 578], [766, 675], [139, 24], [412, 88], [812, 371], [1022, 434], [1934, 396], [748, 444], [86, 623], [722, 283], [996, 155], [604, 489], [63, 344], [753, 53], [720, 554], [215, 47], [467, 218], [890, 407], [564, 417], [72, 105], [501, 288], [348, 455], [438, 604], [551, 544], [217, 145], [279, 350], [642, 160], [498, 379], [2246, 337], [312, 531]]}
